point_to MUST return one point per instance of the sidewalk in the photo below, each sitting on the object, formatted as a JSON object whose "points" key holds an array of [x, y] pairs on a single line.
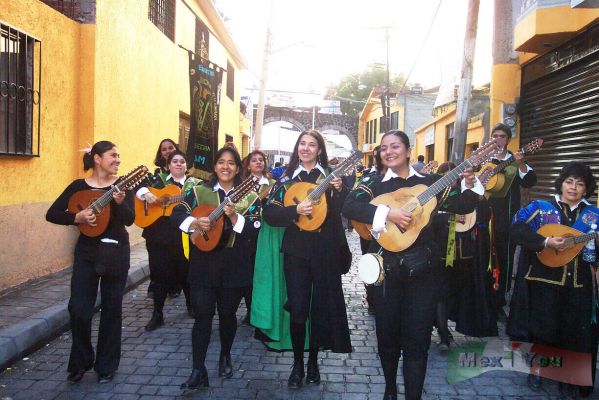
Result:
{"points": [[36, 312]]}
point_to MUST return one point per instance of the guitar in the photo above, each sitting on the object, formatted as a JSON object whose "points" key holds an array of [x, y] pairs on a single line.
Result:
{"points": [[363, 230], [316, 193], [208, 240], [466, 222], [553, 258], [168, 197], [98, 201], [489, 174], [421, 200]]}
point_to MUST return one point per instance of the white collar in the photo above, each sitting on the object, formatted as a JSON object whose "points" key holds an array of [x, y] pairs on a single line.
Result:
{"points": [[301, 168], [390, 174], [180, 181], [506, 157], [263, 181], [558, 199], [218, 186]]}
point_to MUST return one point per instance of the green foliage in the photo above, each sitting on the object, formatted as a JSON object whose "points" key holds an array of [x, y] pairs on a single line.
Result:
{"points": [[352, 90]]}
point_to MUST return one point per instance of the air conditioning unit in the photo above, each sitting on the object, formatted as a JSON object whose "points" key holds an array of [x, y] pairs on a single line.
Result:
{"points": [[366, 147]]}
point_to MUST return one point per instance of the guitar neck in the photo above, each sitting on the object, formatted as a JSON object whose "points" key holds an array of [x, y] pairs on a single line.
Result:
{"points": [[106, 198], [502, 165], [234, 196], [584, 238], [218, 211], [442, 183], [321, 188]]}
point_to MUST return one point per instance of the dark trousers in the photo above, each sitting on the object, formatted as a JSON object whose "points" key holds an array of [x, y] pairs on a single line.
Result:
{"points": [[204, 300], [84, 290], [168, 267], [405, 311], [505, 256]]}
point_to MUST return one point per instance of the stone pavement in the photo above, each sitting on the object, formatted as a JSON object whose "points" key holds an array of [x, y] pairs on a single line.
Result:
{"points": [[153, 365]]}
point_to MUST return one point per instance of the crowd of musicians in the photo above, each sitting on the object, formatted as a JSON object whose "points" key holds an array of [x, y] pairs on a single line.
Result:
{"points": [[290, 276]]}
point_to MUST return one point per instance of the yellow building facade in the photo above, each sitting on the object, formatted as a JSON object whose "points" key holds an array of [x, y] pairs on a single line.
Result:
{"points": [[119, 78]]}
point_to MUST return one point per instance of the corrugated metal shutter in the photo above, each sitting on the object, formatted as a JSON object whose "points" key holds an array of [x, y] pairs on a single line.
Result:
{"points": [[562, 107]]}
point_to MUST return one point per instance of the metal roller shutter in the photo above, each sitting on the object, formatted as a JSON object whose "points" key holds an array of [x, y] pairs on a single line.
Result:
{"points": [[560, 103]]}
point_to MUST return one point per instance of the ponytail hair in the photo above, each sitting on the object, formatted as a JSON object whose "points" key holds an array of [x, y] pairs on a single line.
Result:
{"points": [[99, 148]]}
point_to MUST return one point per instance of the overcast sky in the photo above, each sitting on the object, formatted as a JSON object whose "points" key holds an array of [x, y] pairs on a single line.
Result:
{"points": [[316, 42]]}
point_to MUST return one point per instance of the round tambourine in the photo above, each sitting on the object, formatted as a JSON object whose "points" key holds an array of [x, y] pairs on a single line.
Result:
{"points": [[371, 270]]}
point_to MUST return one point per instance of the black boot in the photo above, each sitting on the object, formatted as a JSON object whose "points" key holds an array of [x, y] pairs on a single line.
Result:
{"points": [[389, 362], [414, 372], [198, 379], [312, 373], [155, 322], [297, 375], [225, 366]]}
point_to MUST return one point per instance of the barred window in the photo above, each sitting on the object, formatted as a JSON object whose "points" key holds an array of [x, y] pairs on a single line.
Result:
{"points": [[70, 8], [162, 14], [20, 81]]}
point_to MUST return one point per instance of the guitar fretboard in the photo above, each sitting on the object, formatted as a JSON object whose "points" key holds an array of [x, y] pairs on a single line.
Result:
{"points": [[341, 169], [587, 237], [240, 191], [443, 183]]}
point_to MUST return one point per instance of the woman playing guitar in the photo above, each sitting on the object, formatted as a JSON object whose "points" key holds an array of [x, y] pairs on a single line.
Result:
{"points": [[168, 264], [104, 258], [166, 147], [255, 164], [405, 305], [219, 277], [554, 306], [313, 261]]}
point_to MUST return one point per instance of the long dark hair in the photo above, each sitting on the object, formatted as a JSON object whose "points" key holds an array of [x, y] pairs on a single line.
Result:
{"points": [[158, 160], [378, 161], [322, 158], [246, 163], [237, 180], [99, 148], [579, 170]]}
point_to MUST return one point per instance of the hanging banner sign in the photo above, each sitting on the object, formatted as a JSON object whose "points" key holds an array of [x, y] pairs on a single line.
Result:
{"points": [[205, 83]]}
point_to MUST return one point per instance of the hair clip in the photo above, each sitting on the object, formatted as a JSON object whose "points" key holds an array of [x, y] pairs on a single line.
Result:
{"points": [[87, 150]]}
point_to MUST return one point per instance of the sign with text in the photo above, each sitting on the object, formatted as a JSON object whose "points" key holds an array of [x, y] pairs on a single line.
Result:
{"points": [[205, 82], [503, 355]]}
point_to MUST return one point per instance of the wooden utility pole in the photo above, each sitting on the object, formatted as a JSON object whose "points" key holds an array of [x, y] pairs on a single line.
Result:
{"points": [[263, 75], [465, 89]]}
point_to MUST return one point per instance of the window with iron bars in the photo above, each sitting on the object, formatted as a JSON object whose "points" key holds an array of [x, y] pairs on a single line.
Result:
{"points": [[70, 8], [162, 14], [20, 82]]}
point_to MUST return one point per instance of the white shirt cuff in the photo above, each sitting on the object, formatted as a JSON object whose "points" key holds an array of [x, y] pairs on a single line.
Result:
{"points": [[238, 227], [185, 224], [478, 188], [523, 174], [380, 218], [142, 192]]}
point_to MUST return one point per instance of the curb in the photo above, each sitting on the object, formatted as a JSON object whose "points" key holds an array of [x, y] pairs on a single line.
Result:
{"points": [[30, 334]]}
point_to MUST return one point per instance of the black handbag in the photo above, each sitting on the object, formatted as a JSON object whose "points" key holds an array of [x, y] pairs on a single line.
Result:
{"points": [[414, 262], [108, 259]]}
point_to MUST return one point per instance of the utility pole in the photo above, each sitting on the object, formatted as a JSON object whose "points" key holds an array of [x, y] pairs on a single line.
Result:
{"points": [[464, 91], [263, 75], [387, 91]]}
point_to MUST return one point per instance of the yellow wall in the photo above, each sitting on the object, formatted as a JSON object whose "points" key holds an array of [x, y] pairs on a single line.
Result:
{"points": [[119, 79], [26, 178], [557, 23], [474, 135]]}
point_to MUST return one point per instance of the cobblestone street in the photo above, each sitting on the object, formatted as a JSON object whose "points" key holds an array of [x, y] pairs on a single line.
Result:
{"points": [[153, 365]]}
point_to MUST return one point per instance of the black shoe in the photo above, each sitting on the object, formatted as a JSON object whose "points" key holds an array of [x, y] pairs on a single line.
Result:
{"points": [[105, 378], [297, 374], [312, 372], [198, 379], [225, 366], [371, 309], [585, 391], [76, 376], [534, 382], [155, 322]]}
